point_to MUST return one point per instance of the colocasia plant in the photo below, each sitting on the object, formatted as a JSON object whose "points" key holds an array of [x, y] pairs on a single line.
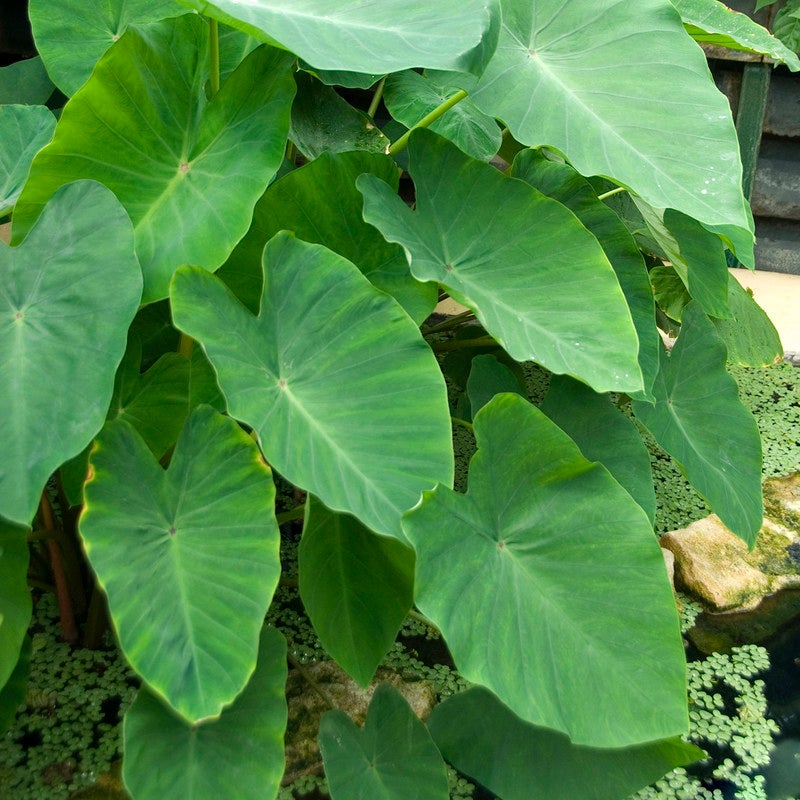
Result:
{"points": [[224, 255]]}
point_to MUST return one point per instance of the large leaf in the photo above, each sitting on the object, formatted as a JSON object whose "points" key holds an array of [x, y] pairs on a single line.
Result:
{"points": [[188, 557], [172, 158], [72, 35], [15, 597], [561, 182], [70, 290], [555, 565], [238, 755], [392, 758], [603, 434], [700, 421], [483, 739], [374, 37], [509, 265], [410, 96], [713, 22], [356, 588], [320, 203], [25, 82], [345, 396], [623, 92], [24, 130]]}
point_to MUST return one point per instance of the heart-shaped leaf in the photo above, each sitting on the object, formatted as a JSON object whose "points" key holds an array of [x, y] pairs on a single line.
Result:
{"points": [[320, 203], [488, 377], [354, 410], [24, 130], [555, 87], [72, 35], [375, 38], [147, 96], [392, 758], [25, 82], [238, 755], [15, 597], [700, 421], [483, 739], [356, 587], [54, 369], [555, 563], [508, 266], [188, 557], [603, 434], [563, 183]]}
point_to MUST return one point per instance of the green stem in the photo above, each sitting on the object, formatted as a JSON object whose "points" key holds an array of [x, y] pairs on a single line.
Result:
{"points": [[463, 423], [427, 121], [291, 151], [457, 344], [376, 98], [618, 190], [298, 512], [185, 345], [213, 46], [414, 614], [453, 322]]}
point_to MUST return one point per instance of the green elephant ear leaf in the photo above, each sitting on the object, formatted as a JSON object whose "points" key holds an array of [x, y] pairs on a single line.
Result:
{"points": [[712, 22], [392, 758], [25, 82], [181, 553], [147, 95], [700, 421], [81, 245], [356, 586], [480, 737], [372, 38], [488, 377], [166, 756], [563, 183], [603, 434], [24, 130], [320, 203], [15, 597], [552, 88], [346, 446], [548, 543], [506, 266], [71, 35]]}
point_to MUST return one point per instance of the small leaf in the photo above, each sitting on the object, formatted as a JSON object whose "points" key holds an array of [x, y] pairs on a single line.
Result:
{"points": [[12, 694], [786, 25], [15, 597], [25, 82], [670, 291], [240, 754], [508, 265], [356, 587], [488, 377], [483, 739], [183, 553], [555, 564], [354, 410], [700, 421], [392, 758], [63, 335]]}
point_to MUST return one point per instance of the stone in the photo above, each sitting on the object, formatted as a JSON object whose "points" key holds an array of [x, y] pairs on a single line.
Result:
{"points": [[669, 562], [782, 500]]}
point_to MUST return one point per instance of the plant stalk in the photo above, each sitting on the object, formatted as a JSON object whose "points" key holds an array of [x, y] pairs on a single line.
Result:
{"points": [[462, 423], [612, 192], [298, 512], [69, 628], [376, 98], [453, 322], [427, 121], [306, 676]]}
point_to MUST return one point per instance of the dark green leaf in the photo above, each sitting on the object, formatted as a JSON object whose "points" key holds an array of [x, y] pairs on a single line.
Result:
{"points": [[670, 291], [25, 82], [488, 377], [15, 597], [12, 694], [786, 25]]}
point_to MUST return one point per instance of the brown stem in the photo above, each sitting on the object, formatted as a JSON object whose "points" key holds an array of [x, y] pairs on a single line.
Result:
{"points": [[69, 629]]}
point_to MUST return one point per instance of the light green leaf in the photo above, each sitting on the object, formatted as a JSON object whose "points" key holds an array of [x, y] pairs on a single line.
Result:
{"points": [[410, 96], [696, 254], [670, 291], [354, 410], [555, 563], [392, 758], [238, 755], [15, 597], [603, 434], [488, 377], [24, 130], [356, 587], [25, 82], [12, 694], [234, 47], [786, 25], [372, 38], [700, 421], [483, 739], [322, 121], [62, 336], [508, 266], [72, 35], [350, 80], [713, 22], [320, 203], [561, 182], [172, 158], [182, 554], [623, 92]]}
